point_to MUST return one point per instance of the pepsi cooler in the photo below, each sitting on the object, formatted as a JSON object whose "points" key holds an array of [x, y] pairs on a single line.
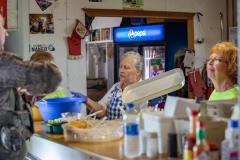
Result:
{"points": [[148, 40]]}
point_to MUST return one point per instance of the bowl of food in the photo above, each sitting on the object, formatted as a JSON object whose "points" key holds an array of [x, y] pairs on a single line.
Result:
{"points": [[86, 132], [51, 108]]}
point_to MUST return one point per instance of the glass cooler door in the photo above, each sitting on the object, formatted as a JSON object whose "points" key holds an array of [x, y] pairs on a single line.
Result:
{"points": [[154, 60]]}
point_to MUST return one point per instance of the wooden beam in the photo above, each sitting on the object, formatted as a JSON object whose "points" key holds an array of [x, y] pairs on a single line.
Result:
{"points": [[137, 13], [190, 34]]}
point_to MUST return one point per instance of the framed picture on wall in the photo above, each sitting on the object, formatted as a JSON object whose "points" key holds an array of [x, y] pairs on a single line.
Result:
{"points": [[41, 23], [132, 4], [44, 4]]}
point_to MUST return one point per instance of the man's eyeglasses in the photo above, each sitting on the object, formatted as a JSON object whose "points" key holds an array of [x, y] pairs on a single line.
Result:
{"points": [[214, 60]]}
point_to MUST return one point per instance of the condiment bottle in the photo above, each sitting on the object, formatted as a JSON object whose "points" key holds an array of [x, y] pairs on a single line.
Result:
{"points": [[172, 145], [201, 149], [152, 145], [214, 151], [191, 137]]}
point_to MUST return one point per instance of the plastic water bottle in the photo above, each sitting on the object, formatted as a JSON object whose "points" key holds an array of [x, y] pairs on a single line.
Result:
{"points": [[230, 144], [131, 132]]}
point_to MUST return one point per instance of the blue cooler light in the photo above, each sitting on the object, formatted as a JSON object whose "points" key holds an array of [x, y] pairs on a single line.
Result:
{"points": [[52, 108]]}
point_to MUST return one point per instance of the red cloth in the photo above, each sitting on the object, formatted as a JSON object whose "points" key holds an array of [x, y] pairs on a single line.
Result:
{"points": [[209, 92], [74, 46], [3, 3], [197, 83]]}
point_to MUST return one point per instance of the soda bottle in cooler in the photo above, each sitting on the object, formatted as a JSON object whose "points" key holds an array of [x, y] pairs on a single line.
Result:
{"points": [[131, 132]]}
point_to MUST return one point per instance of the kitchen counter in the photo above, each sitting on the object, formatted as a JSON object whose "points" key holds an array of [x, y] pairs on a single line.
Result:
{"points": [[46, 146]]}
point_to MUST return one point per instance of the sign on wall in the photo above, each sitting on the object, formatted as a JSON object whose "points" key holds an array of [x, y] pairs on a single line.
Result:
{"points": [[133, 4], [45, 4], [95, 0], [45, 47], [41, 23]]}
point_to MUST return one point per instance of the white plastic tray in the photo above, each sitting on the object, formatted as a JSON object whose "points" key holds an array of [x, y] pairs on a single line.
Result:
{"points": [[148, 89]]}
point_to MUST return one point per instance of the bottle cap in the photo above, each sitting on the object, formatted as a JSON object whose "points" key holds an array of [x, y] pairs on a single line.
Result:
{"points": [[234, 123], [129, 106], [200, 124], [152, 135], [213, 146], [194, 113], [172, 145]]}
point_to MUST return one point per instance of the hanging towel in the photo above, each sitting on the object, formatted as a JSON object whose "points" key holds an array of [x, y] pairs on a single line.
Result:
{"points": [[197, 83]]}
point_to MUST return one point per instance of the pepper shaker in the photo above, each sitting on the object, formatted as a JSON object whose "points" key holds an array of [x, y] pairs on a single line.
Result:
{"points": [[172, 145], [152, 145]]}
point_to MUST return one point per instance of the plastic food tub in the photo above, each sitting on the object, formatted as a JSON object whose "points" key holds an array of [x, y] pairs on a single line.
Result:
{"points": [[54, 128], [110, 130]]}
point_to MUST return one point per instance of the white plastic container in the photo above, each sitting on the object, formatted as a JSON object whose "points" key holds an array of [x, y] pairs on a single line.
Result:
{"points": [[176, 106], [157, 122]]}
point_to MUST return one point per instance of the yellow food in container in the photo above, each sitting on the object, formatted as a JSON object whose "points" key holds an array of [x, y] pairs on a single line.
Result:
{"points": [[36, 114]]}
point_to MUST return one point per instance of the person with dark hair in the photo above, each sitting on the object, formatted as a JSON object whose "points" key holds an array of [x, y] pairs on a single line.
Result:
{"points": [[42, 55], [222, 70], [130, 72], [16, 120]]}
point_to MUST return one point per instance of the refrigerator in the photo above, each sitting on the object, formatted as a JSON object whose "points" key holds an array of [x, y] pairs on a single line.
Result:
{"points": [[147, 40]]}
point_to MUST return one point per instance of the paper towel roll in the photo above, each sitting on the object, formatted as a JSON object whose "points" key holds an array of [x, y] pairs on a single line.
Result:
{"points": [[12, 4], [12, 19]]}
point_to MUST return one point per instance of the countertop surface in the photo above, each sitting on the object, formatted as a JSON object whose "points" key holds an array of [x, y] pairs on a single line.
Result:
{"points": [[112, 149]]}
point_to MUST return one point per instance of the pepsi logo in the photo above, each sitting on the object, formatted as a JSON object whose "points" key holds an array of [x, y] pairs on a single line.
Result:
{"points": [[132, 34]]}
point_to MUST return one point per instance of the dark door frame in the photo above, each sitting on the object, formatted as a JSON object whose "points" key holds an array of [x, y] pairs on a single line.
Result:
{"points": [[91, 12]]}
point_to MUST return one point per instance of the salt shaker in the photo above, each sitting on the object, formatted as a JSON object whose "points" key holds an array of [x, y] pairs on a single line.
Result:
{"points": [[143, 141], [152, 145]]}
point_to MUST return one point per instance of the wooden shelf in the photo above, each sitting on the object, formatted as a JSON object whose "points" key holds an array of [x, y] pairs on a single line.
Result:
{"points": [[105, 41]]}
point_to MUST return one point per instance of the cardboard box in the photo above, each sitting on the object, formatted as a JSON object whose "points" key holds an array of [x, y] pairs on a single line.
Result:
{"points": [[215, 129], [96, 94], [96, 83], [220, 109]]}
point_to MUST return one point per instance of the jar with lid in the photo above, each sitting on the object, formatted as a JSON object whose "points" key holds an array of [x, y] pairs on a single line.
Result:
{"points": [[152, 145], [214, 151]]}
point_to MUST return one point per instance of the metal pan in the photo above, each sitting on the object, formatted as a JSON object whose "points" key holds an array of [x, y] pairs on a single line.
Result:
{"points": [[148, 89]]}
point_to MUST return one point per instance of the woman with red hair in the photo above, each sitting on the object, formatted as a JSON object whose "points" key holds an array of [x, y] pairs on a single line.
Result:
{"points": [[222, 70]]}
